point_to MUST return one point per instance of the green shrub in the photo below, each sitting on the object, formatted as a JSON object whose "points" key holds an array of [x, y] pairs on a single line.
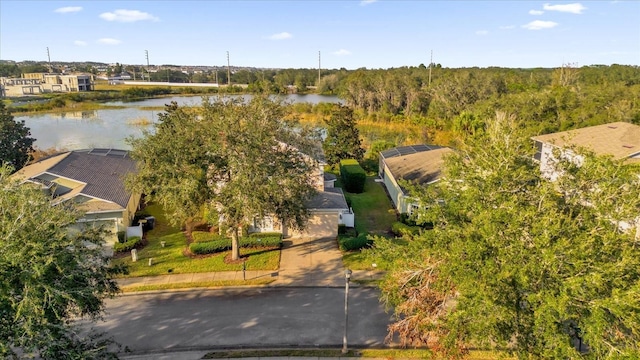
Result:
{"points": [[261, 241], [352, 175], [355, 243], [223, 243], [210, 247], [205, 236], [122, 236], [264, 234], [342, 229], [128, 245], [402, 229]]}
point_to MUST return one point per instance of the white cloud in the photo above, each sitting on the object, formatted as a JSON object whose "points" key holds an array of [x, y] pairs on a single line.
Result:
{"points": [[536, 12], [280, 36], [109, 41], [123, 15], [507, 27], [366, 2], [342, 52], [575, 8], [68, 9], [540, 24], [482, 32], [80, 43]]}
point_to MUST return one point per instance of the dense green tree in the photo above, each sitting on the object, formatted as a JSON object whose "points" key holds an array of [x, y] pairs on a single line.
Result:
{"points": [[50, 277], [343, 139], [240, 160], [9, 70], [35, 68], [518, 262], [15, 143]]}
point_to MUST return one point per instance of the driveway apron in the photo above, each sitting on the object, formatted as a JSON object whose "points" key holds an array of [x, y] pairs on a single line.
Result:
{"points": [[310, 262]]}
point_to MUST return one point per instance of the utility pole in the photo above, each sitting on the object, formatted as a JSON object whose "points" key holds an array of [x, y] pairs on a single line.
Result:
{"points": [[49, 60], [146, 54], [430, 66], [228, 70], [319, 67]]}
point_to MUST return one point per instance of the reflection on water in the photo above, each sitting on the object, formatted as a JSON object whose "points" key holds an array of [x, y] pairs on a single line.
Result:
{"points": [[111, 128], [77, 115]]}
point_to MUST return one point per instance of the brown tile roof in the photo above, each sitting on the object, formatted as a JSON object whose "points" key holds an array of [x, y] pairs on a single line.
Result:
{"points": [[619, 139], [419, 167]]}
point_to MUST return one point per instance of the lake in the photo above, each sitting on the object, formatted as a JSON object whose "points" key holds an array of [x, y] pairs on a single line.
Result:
{"points": [[110, 128]]}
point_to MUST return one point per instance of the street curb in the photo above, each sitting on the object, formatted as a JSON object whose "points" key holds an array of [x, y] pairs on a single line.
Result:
{"points": [[240, 287], [249, 347]]}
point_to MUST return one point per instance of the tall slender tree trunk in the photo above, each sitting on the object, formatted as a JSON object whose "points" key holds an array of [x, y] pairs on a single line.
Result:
{"points": [[235, 248]]}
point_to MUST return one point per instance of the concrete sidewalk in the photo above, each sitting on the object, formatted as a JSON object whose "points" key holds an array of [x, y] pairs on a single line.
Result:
{"points": [[303, 263]]}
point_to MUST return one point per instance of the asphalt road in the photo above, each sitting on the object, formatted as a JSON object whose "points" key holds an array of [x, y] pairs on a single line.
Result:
{"points": [[257, 317]]}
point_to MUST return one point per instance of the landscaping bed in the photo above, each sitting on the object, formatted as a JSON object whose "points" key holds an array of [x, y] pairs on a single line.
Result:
{"points": [[171, 258]]}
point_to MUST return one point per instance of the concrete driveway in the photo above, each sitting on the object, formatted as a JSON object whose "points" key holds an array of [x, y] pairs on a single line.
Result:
{"points": [[310, 262]]}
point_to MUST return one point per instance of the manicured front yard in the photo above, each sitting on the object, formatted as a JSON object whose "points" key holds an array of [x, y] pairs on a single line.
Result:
{"points": [[171, 259], [373, 209]]}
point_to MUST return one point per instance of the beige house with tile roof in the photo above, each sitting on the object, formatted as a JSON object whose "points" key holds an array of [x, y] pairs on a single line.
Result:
{"points": [[93, 180], [620, 140]]}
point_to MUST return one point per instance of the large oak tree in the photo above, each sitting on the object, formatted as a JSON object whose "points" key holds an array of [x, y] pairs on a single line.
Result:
{"points": [[50, 278], [243, 160], [515, 261]]}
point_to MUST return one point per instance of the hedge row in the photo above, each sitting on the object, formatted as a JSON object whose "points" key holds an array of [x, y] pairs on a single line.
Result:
{"points": [[355, 243], [128, 245], [266, 234], [224, 244], [402, 229], [353, 176], [210, 247]]}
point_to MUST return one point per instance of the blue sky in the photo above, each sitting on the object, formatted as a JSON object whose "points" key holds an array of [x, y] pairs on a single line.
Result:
{"points": [[349, 34]]}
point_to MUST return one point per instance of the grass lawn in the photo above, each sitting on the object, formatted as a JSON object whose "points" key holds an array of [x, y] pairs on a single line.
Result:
{"points": [[171, 260], [374, 215], [373, 209], [196, 284]]}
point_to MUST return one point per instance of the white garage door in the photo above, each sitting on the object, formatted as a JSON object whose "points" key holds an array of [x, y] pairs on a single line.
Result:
{"points": [[320, 225]]}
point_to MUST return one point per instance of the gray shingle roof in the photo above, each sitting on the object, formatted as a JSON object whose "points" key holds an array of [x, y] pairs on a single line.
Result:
{"points": [[420, 164], [103, 170], [331, 198], [407, 150]]}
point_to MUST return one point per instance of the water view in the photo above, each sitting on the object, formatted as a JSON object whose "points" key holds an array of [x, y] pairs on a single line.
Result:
{"points": [[111, 128]]}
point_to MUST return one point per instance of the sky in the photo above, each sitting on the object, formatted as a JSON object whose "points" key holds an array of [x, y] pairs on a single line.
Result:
{"points": [[351, 34]]}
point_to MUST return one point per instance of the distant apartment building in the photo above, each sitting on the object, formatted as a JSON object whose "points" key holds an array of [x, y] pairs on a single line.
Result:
{"points": [[38, 83]]}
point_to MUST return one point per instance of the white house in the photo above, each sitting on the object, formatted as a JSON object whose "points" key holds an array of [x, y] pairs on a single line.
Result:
{"points": [[418, 164]]}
